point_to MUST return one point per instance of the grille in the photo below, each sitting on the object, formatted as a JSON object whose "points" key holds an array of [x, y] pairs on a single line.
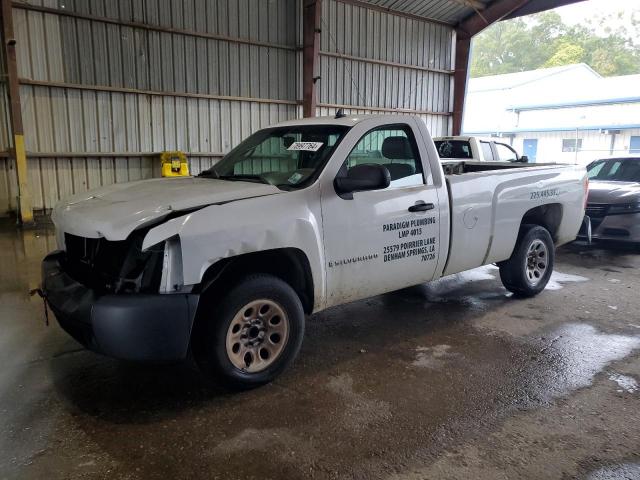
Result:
{"points": [[597, 210], [113, 266]]}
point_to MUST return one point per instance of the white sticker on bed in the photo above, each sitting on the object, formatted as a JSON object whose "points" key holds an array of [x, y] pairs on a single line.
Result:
{"points": [[306, 146]]}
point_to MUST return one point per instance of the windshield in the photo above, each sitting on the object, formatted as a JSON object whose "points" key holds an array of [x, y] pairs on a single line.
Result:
{"points": [[288, 157], [616, 170], [453, 149]]}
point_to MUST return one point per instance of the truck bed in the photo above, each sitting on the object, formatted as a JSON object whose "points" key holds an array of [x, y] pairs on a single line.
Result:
{"points": [[485, 198], [460, 167]]}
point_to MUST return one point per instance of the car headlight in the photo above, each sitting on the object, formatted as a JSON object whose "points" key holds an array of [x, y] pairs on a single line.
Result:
{"points": [[623, 208]]}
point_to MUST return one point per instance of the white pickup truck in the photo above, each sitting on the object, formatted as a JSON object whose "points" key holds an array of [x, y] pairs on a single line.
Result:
{"points": [[474, 149], [299, 217]]}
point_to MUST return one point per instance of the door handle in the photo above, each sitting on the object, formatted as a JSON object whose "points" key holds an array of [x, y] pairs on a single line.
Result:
{"points": [[421, 207]]}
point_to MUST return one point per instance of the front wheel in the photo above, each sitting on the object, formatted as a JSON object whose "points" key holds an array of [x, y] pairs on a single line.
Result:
{"points": [[252, 334], [529, 269]]}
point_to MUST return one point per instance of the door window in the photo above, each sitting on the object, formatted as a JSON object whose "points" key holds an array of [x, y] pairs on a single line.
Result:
{"points": [[395, 148], [487, 153], [634, 144], [506, 153]]}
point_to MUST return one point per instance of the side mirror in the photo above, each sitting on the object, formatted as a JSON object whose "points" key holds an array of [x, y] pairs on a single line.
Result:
{"points": [[361, 178]]}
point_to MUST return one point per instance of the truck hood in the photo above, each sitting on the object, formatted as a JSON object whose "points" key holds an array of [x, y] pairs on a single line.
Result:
{"points": [[115, 211], [613, 192]]}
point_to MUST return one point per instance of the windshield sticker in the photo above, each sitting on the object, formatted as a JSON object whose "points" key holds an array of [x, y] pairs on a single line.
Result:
{"points": [[306, 146], [295, 178]]}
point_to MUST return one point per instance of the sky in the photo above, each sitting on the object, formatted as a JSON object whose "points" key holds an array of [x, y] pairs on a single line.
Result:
{"points": [[579, 12]]}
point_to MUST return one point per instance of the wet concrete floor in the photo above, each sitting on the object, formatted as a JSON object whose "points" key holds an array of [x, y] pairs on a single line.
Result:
{"points": [[455, 379]]}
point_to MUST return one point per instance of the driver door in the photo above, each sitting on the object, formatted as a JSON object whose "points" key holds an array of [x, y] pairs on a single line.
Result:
{"points": [[381, 240]]}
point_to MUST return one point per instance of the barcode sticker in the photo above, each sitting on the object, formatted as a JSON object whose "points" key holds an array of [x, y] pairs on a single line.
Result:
{"points": [[306, 146]]}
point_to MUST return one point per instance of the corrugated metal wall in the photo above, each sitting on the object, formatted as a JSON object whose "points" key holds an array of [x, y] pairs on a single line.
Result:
{"points": [[382, 62], [7, 166], [113, 85], [107, 84]]}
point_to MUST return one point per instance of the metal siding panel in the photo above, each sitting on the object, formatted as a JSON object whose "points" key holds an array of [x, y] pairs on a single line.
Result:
{"points": [[166, 67], [105, 122], [168, 139], [179, 64], [200, 60], [59, 120], [193, 130], [5, 189], [130, 121], [100, 50], [118, 123], [191, 67], [203, 129], [53, 41], [146, 123], [213, 67], [131, 57], [34, 176], [48, 176]]}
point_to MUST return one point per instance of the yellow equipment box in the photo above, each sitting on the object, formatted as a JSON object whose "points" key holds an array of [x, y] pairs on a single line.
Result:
{"points": [[174, 164]]}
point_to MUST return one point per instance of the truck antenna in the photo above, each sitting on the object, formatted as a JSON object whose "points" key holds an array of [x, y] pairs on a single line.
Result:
{"points": [[340, 113]]}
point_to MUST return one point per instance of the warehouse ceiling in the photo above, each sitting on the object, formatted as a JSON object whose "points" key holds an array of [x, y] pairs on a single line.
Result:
{"points": [[453, 12]]}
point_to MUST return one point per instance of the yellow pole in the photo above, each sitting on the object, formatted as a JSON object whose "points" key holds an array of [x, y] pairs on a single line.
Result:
{"points": [[9, 43], [26, 211]]}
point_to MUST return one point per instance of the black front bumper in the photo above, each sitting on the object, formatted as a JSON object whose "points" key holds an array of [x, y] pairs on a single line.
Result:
{"points": [[144, 327]]}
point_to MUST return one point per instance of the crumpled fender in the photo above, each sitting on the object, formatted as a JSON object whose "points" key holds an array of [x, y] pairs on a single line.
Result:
{"points": [[290, 220]]}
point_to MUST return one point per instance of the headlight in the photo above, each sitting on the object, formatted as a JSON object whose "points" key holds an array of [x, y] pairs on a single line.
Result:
{"points": [[623, 208]]}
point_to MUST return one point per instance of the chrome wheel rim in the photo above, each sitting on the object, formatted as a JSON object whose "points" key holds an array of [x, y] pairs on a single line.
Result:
{"points": [[536, 262], [257, 335]]}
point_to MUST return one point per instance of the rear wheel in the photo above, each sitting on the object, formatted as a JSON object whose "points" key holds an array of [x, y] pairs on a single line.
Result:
{"points": [[529, 269], [252, 334]]}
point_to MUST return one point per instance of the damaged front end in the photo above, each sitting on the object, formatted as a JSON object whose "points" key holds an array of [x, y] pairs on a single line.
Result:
{"points": [[120, 300], [114, 266]]}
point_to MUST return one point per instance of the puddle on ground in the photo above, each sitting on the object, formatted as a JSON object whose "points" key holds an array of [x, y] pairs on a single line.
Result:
{"points": [[433, 357], [360, 411], [574, 354], [491, 272], [487, 272], [626, 471], [558, 278], [626, 383]]}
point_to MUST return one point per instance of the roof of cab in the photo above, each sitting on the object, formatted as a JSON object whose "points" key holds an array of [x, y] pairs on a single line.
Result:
{"points": [[347, 121]]}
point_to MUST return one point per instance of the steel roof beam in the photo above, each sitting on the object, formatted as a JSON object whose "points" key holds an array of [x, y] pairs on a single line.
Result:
{"points": [[537, 6], [495, 12]]}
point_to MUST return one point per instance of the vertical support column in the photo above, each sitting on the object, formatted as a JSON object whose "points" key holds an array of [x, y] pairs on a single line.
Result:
{"points": [[311, 22], [9, 44], [460, 76]]}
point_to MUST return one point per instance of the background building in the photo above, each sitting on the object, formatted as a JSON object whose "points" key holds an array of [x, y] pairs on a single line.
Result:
{"points": [[567, 114]]}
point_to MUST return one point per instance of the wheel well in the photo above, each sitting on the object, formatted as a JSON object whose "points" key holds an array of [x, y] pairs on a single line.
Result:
{"points": [[547, 216], [288, 264]]}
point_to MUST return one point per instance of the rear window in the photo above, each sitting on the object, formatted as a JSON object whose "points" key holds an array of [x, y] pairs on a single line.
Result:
{"points": [[486, 151], [453, 149]]}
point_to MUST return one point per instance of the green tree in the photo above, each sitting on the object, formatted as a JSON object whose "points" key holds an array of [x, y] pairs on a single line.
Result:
{"points": [[543, 40], [566, 54]]}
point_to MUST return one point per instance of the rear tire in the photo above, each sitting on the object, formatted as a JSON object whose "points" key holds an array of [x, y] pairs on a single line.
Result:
{"points": [[529, 269], [250, 335]]}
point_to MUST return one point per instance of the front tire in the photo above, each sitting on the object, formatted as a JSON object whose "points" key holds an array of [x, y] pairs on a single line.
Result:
{"points": [[529, 269], [252, 334]]}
